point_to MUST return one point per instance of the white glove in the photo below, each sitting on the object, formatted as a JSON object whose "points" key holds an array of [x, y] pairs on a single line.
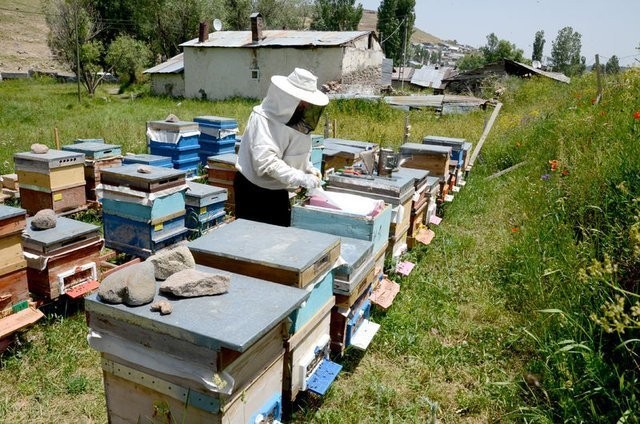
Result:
{"points": [[310, 181], [316, 172]]}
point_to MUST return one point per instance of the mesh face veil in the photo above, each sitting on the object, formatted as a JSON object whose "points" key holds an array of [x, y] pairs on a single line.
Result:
{"points": [[306, 117]]}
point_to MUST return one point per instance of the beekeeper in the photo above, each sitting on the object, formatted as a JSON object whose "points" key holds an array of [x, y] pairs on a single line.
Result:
{"points": [[273, 159]]}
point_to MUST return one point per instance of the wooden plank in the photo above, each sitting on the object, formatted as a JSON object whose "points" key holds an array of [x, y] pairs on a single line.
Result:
{"points": [[13, 225], [385, 293], [484, 135], [14, 322]]}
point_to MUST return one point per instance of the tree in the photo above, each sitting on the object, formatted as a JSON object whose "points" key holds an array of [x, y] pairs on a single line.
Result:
{"points": [[565, 52], [538, 46], [237, 14], [336, 15], [283, 14], [497, 49], [73, 26], [395, 26], [613, 65], [470, 61], [128, 57]]}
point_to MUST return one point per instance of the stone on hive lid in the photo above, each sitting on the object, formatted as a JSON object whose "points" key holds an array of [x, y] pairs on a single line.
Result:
{"points": [[144, 169], [39, 149], [44, 219], [162, 306], [194, 283], [170, 261], [172, 118], [134, 285]]}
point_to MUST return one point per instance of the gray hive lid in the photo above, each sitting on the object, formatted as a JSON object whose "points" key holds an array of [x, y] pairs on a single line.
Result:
{"points": [[7, 212], [178, 126], [229, 158], [90, 148], [456, 143], [234, 320], [354, 252], [66, 230], [202, 190], [287, 248], [425, 148], [397, 186], [28, 161], [157, 179]]}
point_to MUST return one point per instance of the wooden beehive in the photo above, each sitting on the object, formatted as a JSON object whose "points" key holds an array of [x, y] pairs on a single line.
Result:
{"points": [[63, 259], [339, 153], [221, 171], [223, 373], [97, 157], [435, 159], [53, 180], [13, 276], [353, 284]]}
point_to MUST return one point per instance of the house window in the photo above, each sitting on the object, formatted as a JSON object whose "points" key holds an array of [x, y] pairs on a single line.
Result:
{"points": [[255, 74]]}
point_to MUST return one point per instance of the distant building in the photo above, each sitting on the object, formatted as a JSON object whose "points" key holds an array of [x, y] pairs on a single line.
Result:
{"points": [[228, 64], [167, 78]]}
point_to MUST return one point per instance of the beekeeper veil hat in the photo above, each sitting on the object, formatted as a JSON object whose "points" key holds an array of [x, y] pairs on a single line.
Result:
{"points": [[302, 85]]}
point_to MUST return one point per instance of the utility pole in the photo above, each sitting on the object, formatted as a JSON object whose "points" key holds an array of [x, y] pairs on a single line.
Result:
{"points": [[77, 53], [404, 52]]}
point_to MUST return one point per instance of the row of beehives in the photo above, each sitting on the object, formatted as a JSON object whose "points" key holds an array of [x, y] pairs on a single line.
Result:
{"points": [[299, 298], [317, 326]]}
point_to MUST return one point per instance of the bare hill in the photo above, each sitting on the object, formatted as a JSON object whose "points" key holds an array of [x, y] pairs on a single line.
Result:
{"points": [[24, 38]]}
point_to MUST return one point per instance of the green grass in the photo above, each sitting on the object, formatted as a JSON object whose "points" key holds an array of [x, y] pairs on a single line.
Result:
{"points": [[493, 325]]}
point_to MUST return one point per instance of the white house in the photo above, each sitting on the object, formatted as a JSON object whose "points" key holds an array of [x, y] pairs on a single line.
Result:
{"points": [[240, 63], [167, 78]]}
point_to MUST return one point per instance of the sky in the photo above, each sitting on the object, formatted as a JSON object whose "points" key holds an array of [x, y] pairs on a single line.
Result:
{"points": [[608, 27]]}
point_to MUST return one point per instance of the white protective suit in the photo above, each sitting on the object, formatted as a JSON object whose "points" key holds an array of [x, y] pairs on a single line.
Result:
{"points": [[272, 155]]}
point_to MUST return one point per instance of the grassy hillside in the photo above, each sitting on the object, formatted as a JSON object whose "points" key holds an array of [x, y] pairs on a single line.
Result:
{"points": [[514, 313], [370, 19]]}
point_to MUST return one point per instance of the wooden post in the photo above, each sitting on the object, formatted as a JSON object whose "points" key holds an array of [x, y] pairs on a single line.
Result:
{"points": [[599, 80], [56, 138], [334, 129], [488, 127], [326, 126], [407, 128]]}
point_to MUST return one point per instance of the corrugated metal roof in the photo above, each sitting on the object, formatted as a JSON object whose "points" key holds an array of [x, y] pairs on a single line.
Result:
{"points": [[174, 65], [278, 38], [553, 75], [402, 73], [429, 76]]}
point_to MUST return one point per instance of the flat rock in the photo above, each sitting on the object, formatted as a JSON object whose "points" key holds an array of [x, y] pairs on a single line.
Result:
{"points": [[144, 169], [39, 149], [44, 219], [134, 285], [162, 306], [170, 261], [193, 283]]}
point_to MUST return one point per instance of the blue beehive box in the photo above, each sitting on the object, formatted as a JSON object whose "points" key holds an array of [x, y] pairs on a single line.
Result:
{"points": [[204, 205], [141, 239], [217, 136], [321, 291], [147, 159], [179, 133], [91, 140], [189, 166], [173, 151], [332, 221], [138, 207]]}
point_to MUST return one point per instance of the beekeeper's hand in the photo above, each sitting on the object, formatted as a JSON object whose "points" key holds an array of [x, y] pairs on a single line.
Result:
{"points": [[310, 181], [316, 172]]}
